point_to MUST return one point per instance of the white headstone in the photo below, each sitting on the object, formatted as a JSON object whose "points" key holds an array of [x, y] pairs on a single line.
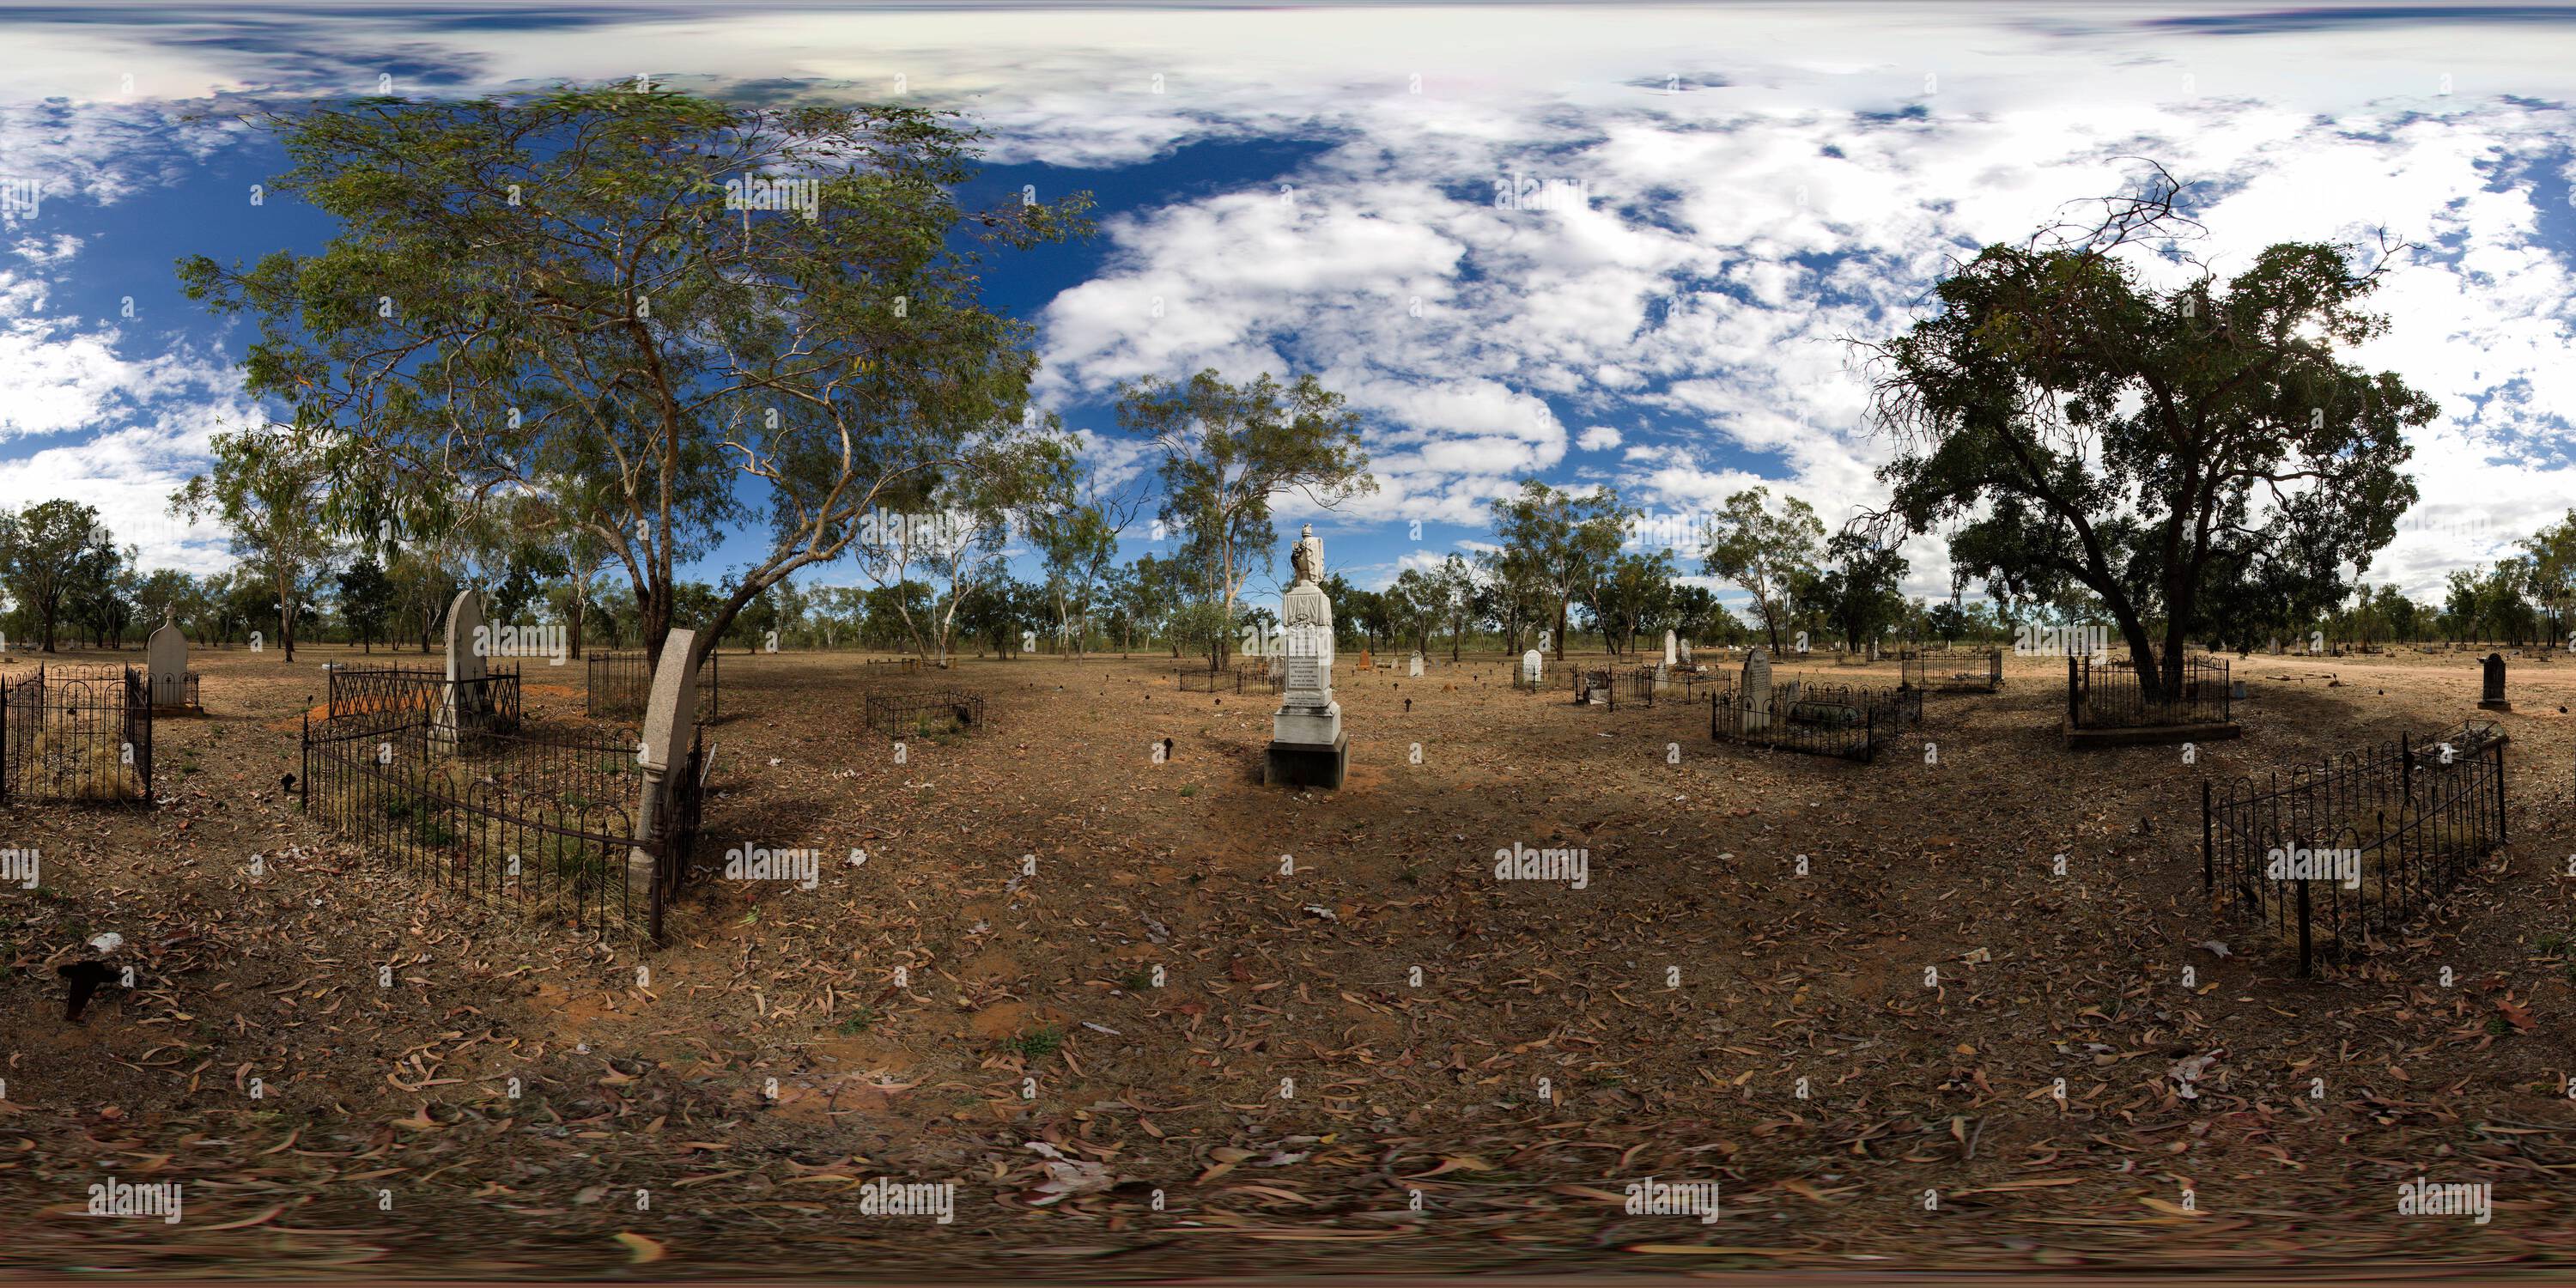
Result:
{"points": [[1754, 693], [166, 661], [1307, 716], [467, 698], [1413, 669], [1531, 665], [1672, 649], [1686, 654], [670, 730]]}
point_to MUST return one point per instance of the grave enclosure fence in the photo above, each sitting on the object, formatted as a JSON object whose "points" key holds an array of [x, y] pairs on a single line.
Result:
{"points": [[620, 683], [1938, 670], [1239, 679], [1823, 720], [922, 712], [2111, 696], [543, 822], [492, 699], [2335, 853], [76, 733]]}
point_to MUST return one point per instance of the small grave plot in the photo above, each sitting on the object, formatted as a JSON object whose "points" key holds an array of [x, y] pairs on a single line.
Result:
{"points": [[492, 700], [76, 733], [1940, 670], [618, 684], [1847, 730], [1244, 678], [1893, 708], [2112, 697], [540, 820], [2330, 856], [1598, 686], [185, 689], [924, 712]]}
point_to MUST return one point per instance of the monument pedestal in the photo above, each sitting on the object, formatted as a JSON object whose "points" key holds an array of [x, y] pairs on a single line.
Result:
{"points": [[1305, 764]]}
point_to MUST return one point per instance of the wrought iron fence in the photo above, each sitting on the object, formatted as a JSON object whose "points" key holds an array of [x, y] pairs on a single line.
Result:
{"points": [[190, 702], [924, 712], [1522, 681], [492, 700], [1895, 708], [620, 683], [76, 733], [1599, 684], [1817, 727], [2111, 696], [540, 820], [1248, 678], [1941, 670], [2357, 845]]}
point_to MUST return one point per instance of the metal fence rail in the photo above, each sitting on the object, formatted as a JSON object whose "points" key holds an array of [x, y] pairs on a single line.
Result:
{"points": [[373, 690], [1824, 727], [620, 683], [1941, 670], [76, 733], [1249, 678], [2358, 845], [922, 712], [2110, 696], [541, 821]]}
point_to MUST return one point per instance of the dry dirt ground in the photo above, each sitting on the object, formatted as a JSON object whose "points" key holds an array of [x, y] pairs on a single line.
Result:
{"points": [[1156, 1019]]}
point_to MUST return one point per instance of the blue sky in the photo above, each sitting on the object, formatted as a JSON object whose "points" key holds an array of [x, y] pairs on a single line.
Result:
{"points": [[1726, 194]]}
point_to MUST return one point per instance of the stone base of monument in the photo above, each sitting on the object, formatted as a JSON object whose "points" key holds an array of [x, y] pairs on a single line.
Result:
{"points": [[1307, 764], [2498, 704]]}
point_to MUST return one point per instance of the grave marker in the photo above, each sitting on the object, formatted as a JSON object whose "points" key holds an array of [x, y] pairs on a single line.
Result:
{"points": [[1413, 669], [1755, 692], [2492, 697], [166, 661], [1307, 745], [1531, 665]]}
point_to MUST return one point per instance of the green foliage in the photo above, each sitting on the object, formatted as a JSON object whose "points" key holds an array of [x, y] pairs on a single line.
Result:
{"points": [[2194, 454], [1227, 449], [581, 296], [1557, 544], [1768, 555]]}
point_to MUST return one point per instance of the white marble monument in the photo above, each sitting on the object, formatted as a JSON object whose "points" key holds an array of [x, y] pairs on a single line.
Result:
{"points": [[1754, 693], [1307, 745], [166, 662], [1532, 663]]}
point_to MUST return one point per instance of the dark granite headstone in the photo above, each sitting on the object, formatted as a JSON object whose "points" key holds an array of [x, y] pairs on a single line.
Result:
{"points": [[2492, 699]]}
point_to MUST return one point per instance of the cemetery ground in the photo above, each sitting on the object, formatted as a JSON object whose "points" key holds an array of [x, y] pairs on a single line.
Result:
{"points": [[1288, 1086]]}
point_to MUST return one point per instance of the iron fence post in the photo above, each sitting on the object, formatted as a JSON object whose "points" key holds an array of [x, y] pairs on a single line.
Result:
{"points": [[2305, 951], [2208, 869]]}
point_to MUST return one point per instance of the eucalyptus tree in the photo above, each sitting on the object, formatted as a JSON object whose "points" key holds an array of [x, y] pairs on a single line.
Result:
{"points": [[266, 488], [1228, 450], [720, 314], [2194, 454]]}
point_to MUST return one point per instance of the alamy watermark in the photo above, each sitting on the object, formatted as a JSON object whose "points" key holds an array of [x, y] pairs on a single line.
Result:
{"points": [[21, 867], [884, 1196], [2299, 863], [1523, 863], [2472, 1199], [760, 192], [113, 1197], [1651, 1197], [2092, 640], [548, 642], [757, 863]]}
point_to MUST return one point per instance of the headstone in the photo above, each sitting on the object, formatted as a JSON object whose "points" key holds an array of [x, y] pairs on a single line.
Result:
{"points": [[1686, 654], [465, 699], [1307, 745], [1413, 669], [1672, 649], [1364, 661], [2492, 699], [1531, 664], [166, 661], [670, 730], [1754, 693]]}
